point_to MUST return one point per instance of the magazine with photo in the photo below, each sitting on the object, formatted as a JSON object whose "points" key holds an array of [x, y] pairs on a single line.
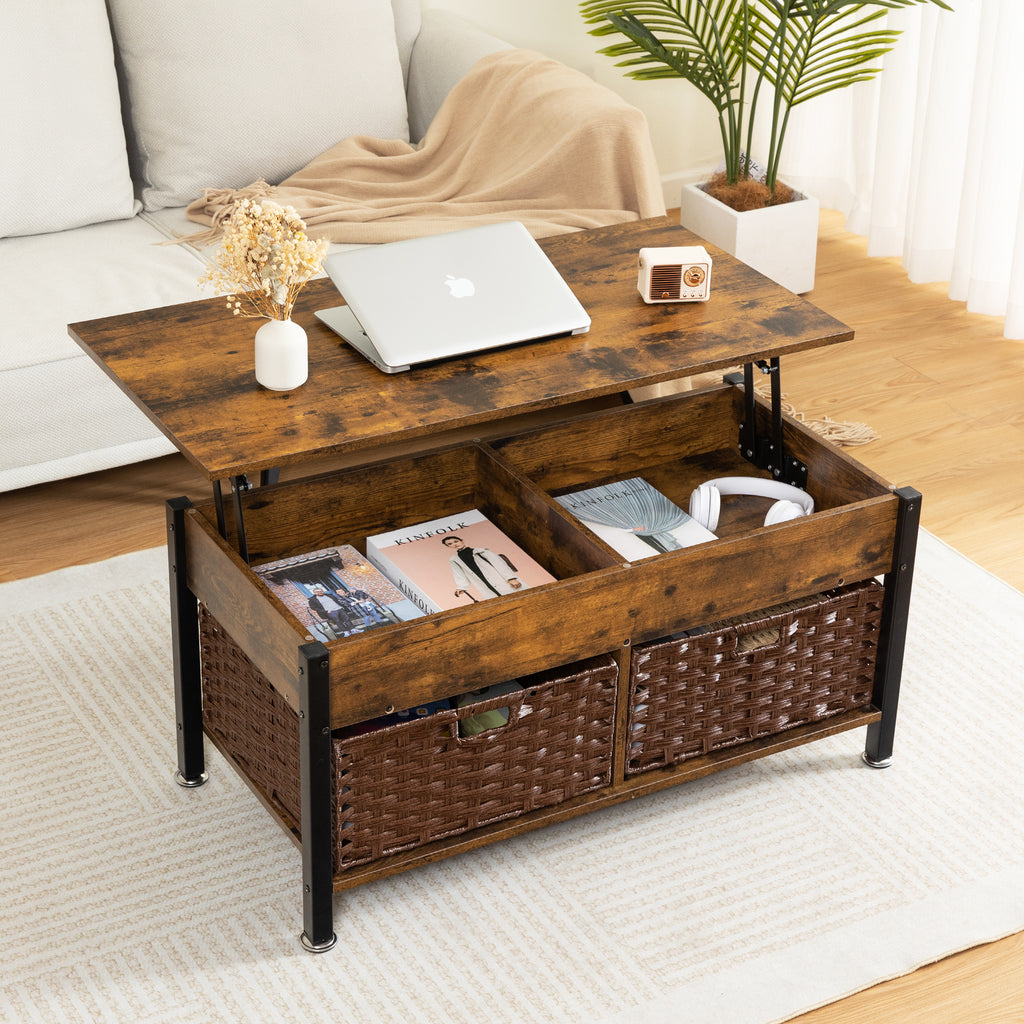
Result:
{"points": [[636, 519], [454, 561], [336, 592]]}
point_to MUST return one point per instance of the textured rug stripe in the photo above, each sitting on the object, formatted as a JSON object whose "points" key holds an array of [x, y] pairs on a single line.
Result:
{"points": [[743, 898]]}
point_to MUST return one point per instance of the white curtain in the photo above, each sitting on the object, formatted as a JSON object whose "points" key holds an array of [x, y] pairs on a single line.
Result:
{"points": [[927, 161]]}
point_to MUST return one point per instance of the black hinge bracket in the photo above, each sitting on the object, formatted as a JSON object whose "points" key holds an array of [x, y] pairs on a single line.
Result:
{"points": [[767, 451]]}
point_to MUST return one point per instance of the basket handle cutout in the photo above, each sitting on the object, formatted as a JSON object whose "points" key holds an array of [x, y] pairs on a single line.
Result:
{"points": [[510, 704], [763, 639]]}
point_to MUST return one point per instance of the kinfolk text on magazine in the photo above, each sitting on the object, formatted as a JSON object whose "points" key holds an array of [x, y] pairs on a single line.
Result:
{"points": [[453, 561]]}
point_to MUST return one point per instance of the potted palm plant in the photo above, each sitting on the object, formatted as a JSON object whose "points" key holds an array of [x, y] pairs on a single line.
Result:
{"points": [[754, 60]]}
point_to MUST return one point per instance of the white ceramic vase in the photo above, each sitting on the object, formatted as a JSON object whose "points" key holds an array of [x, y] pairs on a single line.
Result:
{"points": [[282, 357], [780, 242]]}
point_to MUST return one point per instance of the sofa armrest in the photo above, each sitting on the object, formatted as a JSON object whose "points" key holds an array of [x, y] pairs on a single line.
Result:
{"points": [[445, 49]]}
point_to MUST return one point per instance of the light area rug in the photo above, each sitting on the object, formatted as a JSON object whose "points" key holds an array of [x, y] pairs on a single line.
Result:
{"points": [[743, 898]]}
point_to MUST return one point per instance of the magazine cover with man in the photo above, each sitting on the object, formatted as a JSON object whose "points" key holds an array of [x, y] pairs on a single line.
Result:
{"points": [[453, 561]]}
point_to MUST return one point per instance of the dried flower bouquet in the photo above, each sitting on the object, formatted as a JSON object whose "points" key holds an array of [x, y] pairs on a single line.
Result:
{"points": [[264, 260]]}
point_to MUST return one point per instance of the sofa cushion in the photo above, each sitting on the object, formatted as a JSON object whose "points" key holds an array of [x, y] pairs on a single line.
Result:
{"points": [[63, 161], [59, 412], [99, 270], [256, 91], [66, 418], [408, 19]]}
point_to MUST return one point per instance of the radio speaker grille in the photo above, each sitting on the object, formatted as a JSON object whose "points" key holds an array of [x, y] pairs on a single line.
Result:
{"points": [[666, 281]]}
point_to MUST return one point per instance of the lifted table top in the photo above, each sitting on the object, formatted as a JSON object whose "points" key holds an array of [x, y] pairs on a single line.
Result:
{"points": [[189, 367]]}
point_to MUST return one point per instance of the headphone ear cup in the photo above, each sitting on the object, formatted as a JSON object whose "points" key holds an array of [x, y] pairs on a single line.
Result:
{"points": [[705, 504], [782, 511]]}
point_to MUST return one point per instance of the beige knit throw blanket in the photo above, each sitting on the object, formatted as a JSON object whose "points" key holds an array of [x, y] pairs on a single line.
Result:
{"points": [[520, 137]]}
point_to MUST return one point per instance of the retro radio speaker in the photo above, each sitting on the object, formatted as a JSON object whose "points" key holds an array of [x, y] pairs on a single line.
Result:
{"points": [[679, 273]]}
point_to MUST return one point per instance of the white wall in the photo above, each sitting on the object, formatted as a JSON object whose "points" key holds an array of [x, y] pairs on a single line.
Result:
{"points": [[684, 129]]}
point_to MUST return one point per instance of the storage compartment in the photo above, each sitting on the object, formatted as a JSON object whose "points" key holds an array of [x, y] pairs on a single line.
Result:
{"points": [[740, 680], [676, 444], [405, 785], [474, 645], [346, 507], [580, 736]]}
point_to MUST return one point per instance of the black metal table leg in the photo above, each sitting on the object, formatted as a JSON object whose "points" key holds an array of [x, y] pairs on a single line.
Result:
{"points": [[218, 502], [188, 691], [892, 633], [317, 823]]}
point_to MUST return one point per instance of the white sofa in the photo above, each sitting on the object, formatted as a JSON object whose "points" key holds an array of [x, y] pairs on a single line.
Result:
{"points": [[119, 113]]}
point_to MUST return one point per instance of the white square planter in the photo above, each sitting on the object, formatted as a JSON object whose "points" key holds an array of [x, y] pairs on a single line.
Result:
{"points": [[780, 242]]}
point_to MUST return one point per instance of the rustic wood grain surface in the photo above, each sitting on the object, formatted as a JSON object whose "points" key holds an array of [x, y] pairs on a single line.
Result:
{"points": [[190, 367]]}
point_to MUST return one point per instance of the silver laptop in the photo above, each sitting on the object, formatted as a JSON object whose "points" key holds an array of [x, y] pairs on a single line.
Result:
{"points": [[448, 295]]}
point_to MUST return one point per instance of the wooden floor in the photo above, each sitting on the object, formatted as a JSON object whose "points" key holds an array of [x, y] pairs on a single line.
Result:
{"points": [[942, 388]]}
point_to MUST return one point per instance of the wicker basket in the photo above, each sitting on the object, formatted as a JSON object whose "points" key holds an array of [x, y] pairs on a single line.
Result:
{"points": [[738, 680], [408, 784]]}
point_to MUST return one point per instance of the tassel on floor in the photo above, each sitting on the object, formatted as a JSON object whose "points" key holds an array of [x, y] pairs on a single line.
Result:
{"points": [[846, 435]]}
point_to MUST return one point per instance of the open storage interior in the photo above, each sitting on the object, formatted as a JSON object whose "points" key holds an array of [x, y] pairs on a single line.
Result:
{"points": [[677, 443], [600, 607], [453, 650], [599, 603], [347, 506]]}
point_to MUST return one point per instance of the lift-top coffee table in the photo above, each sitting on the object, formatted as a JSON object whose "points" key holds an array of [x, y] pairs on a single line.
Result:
{"points": [[506, 431]]}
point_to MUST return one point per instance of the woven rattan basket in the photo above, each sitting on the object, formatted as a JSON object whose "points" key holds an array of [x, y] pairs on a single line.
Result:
{"points": [[408, 784], [741, 679]]}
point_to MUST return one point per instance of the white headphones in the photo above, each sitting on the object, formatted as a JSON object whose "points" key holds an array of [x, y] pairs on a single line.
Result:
{"points": [[790, 502]]}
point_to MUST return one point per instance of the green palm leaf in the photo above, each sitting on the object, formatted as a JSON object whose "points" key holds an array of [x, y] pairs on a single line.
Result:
{"points": [[701, 41], [820, 56], [693, 39], [802, 48]]}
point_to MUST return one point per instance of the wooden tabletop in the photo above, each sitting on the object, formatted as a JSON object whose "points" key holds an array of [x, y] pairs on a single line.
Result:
{"points": [[189, 367]]}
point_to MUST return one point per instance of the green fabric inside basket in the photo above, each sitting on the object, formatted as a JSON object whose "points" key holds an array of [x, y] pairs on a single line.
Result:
{"points": [[495, 718]]}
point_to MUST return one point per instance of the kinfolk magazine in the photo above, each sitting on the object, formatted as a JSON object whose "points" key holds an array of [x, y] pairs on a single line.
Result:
{"points": [[453, 561]]}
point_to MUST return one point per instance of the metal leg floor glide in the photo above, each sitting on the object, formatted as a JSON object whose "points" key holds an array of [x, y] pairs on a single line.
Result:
{"points": [[310, 947], [191, 783], [884, 763]]}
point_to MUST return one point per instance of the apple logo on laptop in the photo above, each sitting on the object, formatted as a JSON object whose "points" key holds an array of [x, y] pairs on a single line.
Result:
{"points": [[460, 287]]}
